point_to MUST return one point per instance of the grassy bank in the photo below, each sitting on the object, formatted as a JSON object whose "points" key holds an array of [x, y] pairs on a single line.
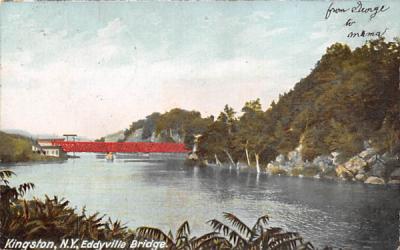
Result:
{"points": [[16, 148]]}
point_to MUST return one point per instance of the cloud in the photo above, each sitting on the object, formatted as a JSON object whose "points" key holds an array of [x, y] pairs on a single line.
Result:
{"points": [[72, 75], [85, 91]]}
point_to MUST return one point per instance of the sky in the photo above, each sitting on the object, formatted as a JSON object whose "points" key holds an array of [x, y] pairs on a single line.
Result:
{"points": [[92, 68]]}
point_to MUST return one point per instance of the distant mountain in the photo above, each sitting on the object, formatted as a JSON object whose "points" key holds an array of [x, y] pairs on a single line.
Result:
{"points": [[37, 136], [28, 134], [17, 132]]}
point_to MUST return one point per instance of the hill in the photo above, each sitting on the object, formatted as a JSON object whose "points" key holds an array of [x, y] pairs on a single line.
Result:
{"points": [[349, 99], [16, 148], [350, 102]]}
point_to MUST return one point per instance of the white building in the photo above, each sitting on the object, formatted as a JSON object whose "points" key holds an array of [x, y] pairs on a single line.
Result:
{"points": [[46, 147]]}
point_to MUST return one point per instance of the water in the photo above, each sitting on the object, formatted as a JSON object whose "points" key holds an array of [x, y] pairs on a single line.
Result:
{"points": [[164, 194]]}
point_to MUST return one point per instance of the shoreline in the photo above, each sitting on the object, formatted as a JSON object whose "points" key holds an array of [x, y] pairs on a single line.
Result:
{"points": [[33, 162], [328, 178]]}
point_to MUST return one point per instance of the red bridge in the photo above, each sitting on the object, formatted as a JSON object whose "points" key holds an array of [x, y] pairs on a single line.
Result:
{"points": [[121, 147]]}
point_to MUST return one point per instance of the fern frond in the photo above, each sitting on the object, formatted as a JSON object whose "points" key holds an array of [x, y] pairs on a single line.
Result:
{"points": [[183, 230], [238, 224], [23, 188], [219, 226], [153, 233], [195, 242]]}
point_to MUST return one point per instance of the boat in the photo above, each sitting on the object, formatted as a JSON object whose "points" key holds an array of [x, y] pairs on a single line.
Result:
{"points": [[110, 156]]}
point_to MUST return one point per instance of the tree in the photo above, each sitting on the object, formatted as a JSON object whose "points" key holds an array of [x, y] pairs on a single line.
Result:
{"points": [[250, 131]]}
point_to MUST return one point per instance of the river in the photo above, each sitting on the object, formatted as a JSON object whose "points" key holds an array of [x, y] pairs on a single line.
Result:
{"points": [[164, 194]]}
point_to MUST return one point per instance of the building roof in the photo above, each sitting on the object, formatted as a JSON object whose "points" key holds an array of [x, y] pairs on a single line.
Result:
{"points": [[51, 139], [51, 147]]}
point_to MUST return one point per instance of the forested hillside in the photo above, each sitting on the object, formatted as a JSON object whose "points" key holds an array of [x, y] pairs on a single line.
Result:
{"points": [[351, 98], [177, 125]]}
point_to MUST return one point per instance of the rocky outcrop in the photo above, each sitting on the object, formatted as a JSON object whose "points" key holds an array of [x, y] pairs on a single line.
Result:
{"points": [[394, 182], [343, 173], [356, 165], [378, 169], [361, 177], [136, 136], [368, 166], [114, 137], [325, 163], [374, 180], [395, 175]]}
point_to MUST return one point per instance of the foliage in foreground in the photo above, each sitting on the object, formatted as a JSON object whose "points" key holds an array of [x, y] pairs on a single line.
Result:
{"points": [[52, 219]]}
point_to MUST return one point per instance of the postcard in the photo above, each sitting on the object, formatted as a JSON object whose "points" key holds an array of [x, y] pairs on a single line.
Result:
{"points": [[200, 124]]}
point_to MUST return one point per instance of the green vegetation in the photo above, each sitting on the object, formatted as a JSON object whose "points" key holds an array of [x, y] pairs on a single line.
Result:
{"points": [[15, 148], [177, 125], [350, 97], [52, 219]]}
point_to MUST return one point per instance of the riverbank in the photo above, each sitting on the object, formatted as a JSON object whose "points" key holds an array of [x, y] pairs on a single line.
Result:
{"points": [[47, 160], [16, 149], [369, 167]]}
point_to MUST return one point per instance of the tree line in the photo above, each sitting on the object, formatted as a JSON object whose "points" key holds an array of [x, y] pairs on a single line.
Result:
{"points": [[350, 98]]}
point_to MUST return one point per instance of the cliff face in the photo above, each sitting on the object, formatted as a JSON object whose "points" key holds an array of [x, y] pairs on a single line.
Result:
{"points": [[115, 137], [139, 136]]}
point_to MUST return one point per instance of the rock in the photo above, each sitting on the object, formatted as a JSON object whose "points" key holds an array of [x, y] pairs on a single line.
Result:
{"points": [[285, 167], [392, 163], [362, 171], [374, 180], [325, 163], [367, 153], [275, 170], [280, 159], [193, 156], [361, 177], [343, 172], [372, 160], [390, 160], [395, 175], [355, 164], [136, 136], [378, 169], [394, 182], [294, 157], [335, 157]]}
